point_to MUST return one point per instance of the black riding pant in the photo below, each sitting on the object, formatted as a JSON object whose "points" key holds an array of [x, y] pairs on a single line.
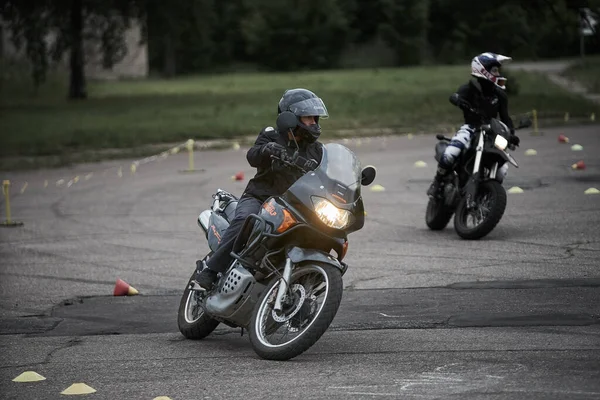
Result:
{"points": [[221, 258]]}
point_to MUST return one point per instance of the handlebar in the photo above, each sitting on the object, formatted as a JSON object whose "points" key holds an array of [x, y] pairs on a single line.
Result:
{"points": [[439, 136], [523, 123], [292, 163]]}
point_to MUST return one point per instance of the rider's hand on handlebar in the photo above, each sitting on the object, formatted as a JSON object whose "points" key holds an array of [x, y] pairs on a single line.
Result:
{"points": [[514, 140], [274, 149], [465, 105]]}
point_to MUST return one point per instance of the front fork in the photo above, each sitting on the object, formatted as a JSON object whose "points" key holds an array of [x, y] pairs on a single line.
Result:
{"points": [[473, 184], [283, 284]]}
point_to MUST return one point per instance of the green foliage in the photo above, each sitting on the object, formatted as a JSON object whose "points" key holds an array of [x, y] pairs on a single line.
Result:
{"points": [[404, 26], [185, 35], [29, 27], [290, 35], [525, 30], [190, 36]]}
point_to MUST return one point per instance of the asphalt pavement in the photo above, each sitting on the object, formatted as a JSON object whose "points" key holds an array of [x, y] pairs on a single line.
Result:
{"points": [[425, 315]]}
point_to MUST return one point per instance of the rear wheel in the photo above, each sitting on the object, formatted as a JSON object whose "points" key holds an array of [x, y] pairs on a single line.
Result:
{"points": [[192, 320], [438, 214], [478, 222]]}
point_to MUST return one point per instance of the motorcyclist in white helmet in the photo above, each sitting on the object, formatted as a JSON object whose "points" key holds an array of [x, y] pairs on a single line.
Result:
{"points": [[486, 95]]}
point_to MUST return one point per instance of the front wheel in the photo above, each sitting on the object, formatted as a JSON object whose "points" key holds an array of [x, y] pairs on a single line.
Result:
{"points": [[490, 205], [192, 320], [314, 296]]}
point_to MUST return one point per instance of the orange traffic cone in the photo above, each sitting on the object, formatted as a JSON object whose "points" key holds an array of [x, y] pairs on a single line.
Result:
{"points": [[578, 165], [563, 139], [122, 288], [239, 176]]}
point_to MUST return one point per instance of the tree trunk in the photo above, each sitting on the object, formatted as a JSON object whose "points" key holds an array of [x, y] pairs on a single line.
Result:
{"points": [[1, 40], [77, 88], [170, 64]]}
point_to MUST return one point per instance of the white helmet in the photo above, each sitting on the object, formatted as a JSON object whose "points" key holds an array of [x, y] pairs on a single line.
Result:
{"points": [[487, 66]]}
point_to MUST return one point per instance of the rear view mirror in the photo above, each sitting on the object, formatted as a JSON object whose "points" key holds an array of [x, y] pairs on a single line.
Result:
{"points": [[368, 175], [286, 121]]}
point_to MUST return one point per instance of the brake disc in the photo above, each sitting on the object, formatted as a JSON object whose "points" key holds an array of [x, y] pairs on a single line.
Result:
{"points": [[286, 317]]}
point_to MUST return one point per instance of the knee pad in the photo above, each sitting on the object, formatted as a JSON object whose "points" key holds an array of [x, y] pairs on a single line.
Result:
{"points": [[449, 157]]}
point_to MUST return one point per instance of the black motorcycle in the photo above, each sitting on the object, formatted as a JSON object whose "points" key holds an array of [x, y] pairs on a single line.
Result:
{"points": [[472, 191], [284, 285]]}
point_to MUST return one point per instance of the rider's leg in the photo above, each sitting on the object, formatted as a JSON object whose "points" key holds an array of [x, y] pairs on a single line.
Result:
{"points": [[221, 258], [460, 141]]}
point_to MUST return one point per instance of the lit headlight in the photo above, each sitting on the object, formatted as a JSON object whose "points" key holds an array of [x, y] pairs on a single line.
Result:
{"points": [[500, 142], [331, 216]]}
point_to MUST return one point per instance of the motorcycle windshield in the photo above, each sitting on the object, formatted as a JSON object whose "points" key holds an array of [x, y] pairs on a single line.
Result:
{"points": [[340, 165], [337, 178]]}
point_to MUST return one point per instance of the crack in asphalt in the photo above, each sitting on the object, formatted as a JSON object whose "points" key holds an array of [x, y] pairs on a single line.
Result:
{"points": [[70, 343]]}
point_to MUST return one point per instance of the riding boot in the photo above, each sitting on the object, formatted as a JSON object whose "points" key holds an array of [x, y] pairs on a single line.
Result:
{"points": [[205, 276], [436, 185]]}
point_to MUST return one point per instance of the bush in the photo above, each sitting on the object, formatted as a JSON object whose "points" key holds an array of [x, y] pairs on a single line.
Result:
{"points": [[512, 85]]}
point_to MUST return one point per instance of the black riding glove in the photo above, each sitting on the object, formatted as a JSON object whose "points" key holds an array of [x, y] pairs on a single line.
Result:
{"points": [[514, 140], [464, 105], [274, 149]]}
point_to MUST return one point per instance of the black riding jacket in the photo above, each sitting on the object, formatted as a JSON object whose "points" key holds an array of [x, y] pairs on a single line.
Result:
{"points": [[272, 179], [489, 99]]}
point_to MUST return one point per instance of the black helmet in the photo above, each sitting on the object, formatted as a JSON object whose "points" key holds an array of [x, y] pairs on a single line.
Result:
{"points": [[303, 103]]}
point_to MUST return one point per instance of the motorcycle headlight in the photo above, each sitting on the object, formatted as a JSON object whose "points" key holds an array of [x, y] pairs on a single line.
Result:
{"points": [[500, 142], [331, 216]]}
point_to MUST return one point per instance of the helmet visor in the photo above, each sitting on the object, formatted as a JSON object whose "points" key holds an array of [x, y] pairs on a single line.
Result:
{"points": [[314, 107]]}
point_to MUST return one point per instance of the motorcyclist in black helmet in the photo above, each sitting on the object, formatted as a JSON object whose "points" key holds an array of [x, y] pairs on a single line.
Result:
{"points": [[272, 178]]}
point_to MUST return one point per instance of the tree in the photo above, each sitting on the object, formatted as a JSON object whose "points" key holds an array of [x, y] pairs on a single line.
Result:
{"points": [[535, 28], [189, 35], [292, 35], [48, 29], [404, 27], [364, 17]]}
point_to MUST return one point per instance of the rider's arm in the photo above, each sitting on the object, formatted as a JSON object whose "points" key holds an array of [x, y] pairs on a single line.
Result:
{"points": [[503, 111], [255, 156], [461, 96]]}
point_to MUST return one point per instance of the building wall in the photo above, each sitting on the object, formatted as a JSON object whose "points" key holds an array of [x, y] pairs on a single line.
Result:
{"points": [[133, 65]]}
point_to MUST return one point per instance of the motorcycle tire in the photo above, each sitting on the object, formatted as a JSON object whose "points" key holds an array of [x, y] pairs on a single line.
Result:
{"points": [[315, 328], [497, 207], [196, 327], [437, 215]]}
